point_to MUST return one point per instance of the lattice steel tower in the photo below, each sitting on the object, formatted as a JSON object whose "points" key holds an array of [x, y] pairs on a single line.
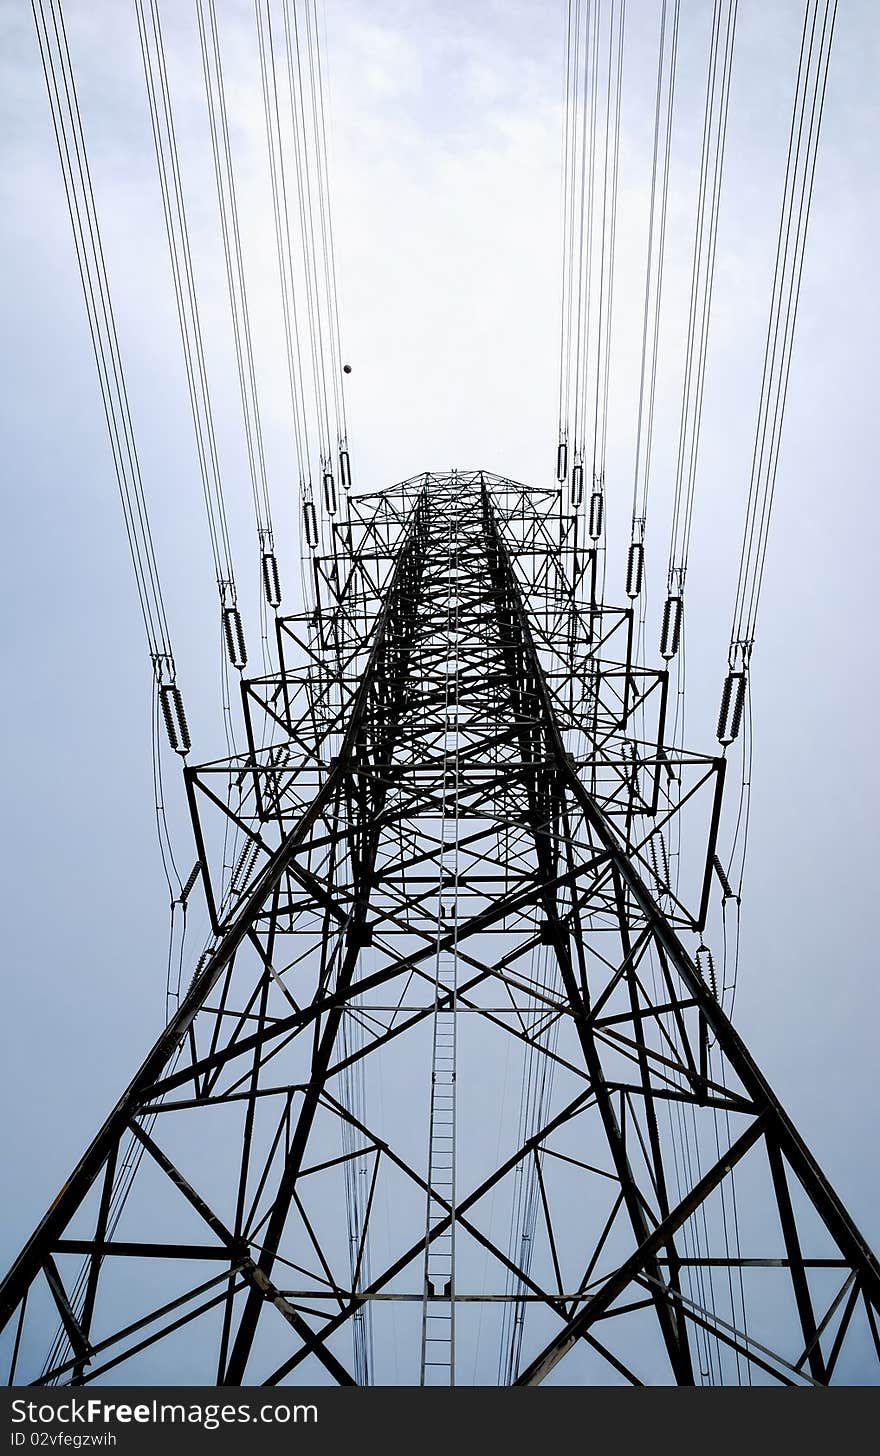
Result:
{"points": [[450, 1097]]}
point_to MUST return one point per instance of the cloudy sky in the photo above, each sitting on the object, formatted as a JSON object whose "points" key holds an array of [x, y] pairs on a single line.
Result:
{"points": [[446, 123]]}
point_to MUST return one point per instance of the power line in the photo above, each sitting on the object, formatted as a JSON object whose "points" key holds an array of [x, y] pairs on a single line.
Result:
{"points": [[812, 80], [224, 175], [699, 313], [174, 210], [70, 142], [663, 115], [614, 87], [91, 262]]}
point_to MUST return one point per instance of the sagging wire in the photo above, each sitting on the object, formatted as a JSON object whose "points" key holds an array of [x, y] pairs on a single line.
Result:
{"points": [[684, 1135], [167, 700], [585, 248], [299, 415], [614, 88], [701, 1281], [70, 141], [699, 314], [569, 114], [663, 118], [224, 176], [177, 232], [308, 129], [736, 701], [664, 107], [593, 79], [296, 135], [715, 118], [736, 706], [316, 80], [800, 171], [303, 162]]}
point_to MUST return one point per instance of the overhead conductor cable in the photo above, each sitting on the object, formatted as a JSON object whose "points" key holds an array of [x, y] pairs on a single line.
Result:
{"points": [[70, 140], [316, 78], [587, 187], [165, 143], [614, 85], [664, 104], [224, 175], [800, 172], [699, 313], [569, 116], [278, 175], [73, 157]]}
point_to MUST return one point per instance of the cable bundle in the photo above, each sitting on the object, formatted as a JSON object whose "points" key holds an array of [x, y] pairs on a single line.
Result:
{"points": [[177, 231], [800, 171], [699, 312], [590, 165], [224, 176], [296, 134], [667, 60], [70, 140]]}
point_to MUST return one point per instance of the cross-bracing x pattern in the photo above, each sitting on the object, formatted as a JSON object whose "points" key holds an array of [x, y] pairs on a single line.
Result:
{"points": [[448, 1099]]}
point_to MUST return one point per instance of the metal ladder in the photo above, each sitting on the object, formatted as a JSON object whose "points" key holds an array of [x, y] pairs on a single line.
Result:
{"points": [[438, 1307]]}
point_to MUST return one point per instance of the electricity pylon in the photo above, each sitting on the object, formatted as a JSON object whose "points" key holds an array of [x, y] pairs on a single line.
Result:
{"points": [[449, 1099]]}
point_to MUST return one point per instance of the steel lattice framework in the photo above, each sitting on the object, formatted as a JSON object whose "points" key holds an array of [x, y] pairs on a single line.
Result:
{"points": [[453, 827]]}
